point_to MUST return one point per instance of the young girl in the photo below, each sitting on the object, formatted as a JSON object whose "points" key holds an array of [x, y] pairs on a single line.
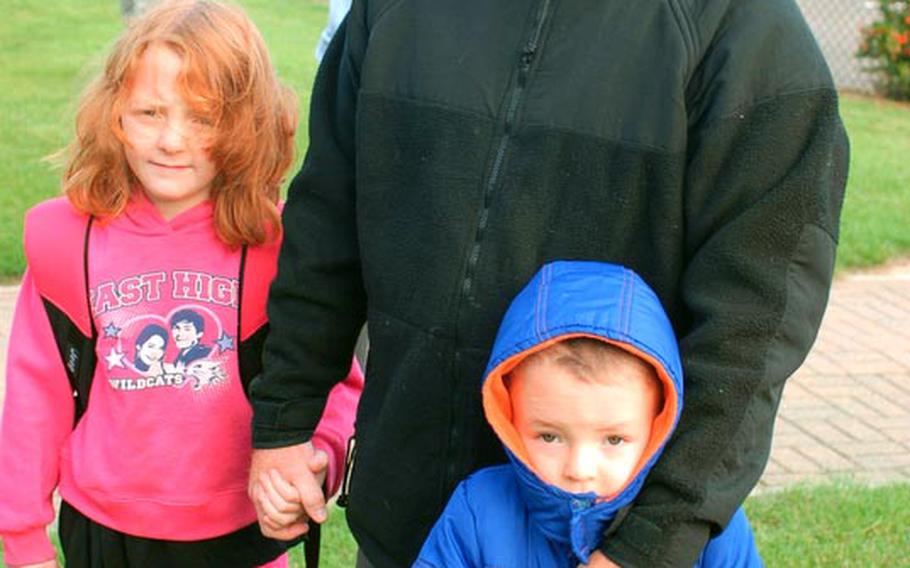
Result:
{"points": [[170, 208]]}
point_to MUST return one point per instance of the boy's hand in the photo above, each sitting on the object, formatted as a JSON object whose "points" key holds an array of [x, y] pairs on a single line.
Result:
{"points": [[598, 560], [289, 497]]}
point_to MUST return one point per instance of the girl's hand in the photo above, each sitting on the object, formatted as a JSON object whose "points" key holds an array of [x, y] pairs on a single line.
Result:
{"points": [[279, 501], [46, 564], [286, 489], [598, 560]]}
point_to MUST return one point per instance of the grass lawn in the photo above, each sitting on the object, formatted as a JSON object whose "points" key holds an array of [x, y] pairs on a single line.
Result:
{"points": [[828, 525], [833, 525], [51, 49], [877, 205]]}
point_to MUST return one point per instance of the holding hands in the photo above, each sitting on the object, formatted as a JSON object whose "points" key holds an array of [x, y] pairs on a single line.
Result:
{"points": [[286, 489]]}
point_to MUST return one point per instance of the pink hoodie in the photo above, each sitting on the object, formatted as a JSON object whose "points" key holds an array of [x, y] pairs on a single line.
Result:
{"points": [[163, 450]]}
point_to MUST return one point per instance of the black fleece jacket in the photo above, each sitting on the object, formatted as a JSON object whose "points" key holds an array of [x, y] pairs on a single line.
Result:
{"points": [[457, 145]]}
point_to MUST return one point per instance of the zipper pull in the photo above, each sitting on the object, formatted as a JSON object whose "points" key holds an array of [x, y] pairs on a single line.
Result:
{"points": [[349, 456], [527, 55]]}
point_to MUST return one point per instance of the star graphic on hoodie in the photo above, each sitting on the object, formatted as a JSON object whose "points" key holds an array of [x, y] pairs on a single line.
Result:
{"points": [[114, 359], [225, 342], [111, 330]]}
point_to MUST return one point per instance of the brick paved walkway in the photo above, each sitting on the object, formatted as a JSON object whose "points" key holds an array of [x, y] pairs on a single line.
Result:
{"points": [[845, 413]]}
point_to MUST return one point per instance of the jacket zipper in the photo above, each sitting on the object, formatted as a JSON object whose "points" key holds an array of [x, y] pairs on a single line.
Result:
{"points": [[528, 54], [526, 59]]}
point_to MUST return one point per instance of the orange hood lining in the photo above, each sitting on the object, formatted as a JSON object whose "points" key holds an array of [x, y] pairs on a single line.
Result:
{"points": [[498, 407]]}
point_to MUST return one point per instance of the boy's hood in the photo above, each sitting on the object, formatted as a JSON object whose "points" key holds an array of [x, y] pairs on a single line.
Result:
{"points": [[568, 299]]}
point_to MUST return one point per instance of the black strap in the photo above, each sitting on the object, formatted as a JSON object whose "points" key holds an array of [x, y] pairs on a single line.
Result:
{"points": [[86, 372], [349, 456], [88, 296], [241, 278], [249, 350], [311, 546], [77, 350]]}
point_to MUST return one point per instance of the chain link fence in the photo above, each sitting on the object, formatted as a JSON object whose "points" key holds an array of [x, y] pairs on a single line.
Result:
{"points": [[836, 25]]}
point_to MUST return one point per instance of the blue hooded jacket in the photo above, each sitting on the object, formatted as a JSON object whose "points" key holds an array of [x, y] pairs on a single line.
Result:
{"points": [[506, 516]]}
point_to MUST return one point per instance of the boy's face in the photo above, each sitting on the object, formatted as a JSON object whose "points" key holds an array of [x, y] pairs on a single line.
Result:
{"points": [[185, 334], [583, 435]]}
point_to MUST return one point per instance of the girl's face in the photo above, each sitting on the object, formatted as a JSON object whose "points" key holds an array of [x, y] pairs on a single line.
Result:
{"points": [[167, 143], [152, 350]]}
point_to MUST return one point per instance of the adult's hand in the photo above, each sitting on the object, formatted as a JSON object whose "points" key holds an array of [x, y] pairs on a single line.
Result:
{"points": [[302, 470], [598, 560]]}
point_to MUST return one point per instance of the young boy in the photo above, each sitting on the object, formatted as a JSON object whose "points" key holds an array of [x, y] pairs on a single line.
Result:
{"points": [[584, 388]]}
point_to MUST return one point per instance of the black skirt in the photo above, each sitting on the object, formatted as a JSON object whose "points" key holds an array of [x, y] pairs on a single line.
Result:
{"points": [[87, 544]]}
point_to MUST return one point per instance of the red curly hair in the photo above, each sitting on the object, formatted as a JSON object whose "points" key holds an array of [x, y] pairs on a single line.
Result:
{"points": [[228, 76]]}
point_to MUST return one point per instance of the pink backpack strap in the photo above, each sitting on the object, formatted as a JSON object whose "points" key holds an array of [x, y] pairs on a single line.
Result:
{"points": [[56, 247], [259, 266], [55, 242]]}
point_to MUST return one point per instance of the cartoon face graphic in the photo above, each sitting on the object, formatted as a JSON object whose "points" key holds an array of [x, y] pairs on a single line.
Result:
{"points": [[187, 327], [152, 350], [150, 347], [185, 334]]}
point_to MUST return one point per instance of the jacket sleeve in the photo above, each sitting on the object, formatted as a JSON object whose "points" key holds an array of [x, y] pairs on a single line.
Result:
{"points": [[337, 425], [766, 172], [453, 540], [316, 303], [37, 419]]}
